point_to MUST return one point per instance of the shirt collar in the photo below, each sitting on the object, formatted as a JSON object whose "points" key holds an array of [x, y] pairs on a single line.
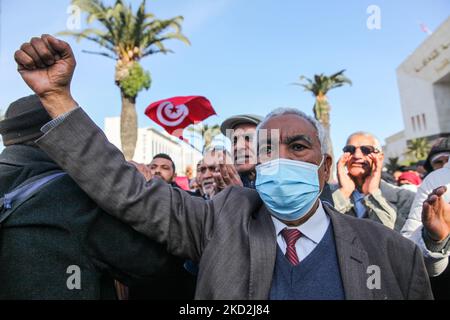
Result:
{"points": [[314, 229]]}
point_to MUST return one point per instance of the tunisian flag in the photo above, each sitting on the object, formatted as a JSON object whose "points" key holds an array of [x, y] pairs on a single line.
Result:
{"points": [[175, 114]]}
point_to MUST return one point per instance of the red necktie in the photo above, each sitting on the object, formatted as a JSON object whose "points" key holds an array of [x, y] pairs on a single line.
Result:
{"points": [[291, 236]]}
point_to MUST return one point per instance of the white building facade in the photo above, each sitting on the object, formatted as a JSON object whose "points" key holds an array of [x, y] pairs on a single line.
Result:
{"points": [[424, 86], [152, 142], [396, 146]]}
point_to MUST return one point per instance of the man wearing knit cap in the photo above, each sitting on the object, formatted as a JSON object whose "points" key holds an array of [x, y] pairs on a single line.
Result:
{"points": [[23, 121], [58, 244], [233, 236]]}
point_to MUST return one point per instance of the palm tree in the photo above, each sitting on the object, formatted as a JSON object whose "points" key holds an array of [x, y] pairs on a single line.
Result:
{"points": [[319, 87], [127, 37], [208, 133], [419, 148]]}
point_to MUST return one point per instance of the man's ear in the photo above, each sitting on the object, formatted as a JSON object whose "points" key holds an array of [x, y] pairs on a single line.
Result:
{"points": [[328, 162]]}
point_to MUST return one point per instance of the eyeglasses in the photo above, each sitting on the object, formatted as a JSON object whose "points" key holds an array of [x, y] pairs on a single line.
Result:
{"points": [[366, 150]]}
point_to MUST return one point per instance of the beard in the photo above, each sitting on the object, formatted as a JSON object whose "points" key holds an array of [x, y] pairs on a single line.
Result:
{"points": [[209, 187]]}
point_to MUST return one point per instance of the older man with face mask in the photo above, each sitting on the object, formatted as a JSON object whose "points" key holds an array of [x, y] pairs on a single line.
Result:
{"points": [[361, 192], [276, 242]]}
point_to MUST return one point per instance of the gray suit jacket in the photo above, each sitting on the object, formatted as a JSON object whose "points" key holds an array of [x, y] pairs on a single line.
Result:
{"points": [[232, 236]]}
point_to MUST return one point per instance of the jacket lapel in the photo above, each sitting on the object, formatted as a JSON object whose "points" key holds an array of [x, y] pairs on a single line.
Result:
{"points": [[353, 259], [263, 244]]}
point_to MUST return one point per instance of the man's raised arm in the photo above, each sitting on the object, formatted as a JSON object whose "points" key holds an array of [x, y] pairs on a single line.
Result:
{"points": [[46, 64], [155, 209]]}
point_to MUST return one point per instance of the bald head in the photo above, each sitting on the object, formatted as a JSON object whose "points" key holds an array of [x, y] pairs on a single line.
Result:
{"points": [[366, 136]]}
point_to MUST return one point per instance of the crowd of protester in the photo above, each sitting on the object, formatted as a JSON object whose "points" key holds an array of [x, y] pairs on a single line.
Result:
{"points": [[233, 228]]}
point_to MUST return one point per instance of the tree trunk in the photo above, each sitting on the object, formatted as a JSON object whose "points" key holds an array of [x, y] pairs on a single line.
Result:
{"points": [[331, 153], [322, 113], [128, 126]]}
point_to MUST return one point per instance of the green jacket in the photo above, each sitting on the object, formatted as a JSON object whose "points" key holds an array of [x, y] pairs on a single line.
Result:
{"points": [[60, 245]]}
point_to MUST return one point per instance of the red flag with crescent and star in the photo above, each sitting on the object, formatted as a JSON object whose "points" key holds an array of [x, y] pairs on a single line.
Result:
{"points": [[175, 114]]}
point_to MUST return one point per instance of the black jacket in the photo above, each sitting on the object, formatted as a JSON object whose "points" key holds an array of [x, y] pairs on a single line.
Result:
{"points": [[61, 229]]}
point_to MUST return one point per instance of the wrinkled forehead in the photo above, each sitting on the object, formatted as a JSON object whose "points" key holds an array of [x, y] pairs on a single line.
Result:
{"points": [[285, 128], [362, 140], [244, 129]]}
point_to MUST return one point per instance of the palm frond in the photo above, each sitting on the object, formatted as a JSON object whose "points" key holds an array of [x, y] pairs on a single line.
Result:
{"points": [[321, 84], [129, 34], [104, 54]]}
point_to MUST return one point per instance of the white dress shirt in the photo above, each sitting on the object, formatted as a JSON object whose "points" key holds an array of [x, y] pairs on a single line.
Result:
{"points": [[312, 232]]}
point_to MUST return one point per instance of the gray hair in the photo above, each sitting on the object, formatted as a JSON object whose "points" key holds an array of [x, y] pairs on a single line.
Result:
{"points": [[368, 135], [284, 111]]}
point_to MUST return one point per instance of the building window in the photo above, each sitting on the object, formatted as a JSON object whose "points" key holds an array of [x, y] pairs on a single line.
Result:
{"points": [[413, 123], [419, 126], [424, 121]]}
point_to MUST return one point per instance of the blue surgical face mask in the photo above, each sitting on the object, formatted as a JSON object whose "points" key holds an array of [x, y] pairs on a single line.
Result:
{"points": [[288, 188]]}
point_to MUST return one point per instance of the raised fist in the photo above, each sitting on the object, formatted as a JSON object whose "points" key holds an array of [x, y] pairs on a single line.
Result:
{"points": [[47, 64]]}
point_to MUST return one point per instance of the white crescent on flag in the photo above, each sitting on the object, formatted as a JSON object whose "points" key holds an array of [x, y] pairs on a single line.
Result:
{"points": [[171, 115]]}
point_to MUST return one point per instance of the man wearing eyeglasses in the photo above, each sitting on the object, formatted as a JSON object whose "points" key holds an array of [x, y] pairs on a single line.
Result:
{"points": [[361, 192]]}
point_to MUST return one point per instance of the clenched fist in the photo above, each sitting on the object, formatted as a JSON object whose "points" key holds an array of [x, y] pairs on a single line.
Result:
{"points": [[47, 64]]}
